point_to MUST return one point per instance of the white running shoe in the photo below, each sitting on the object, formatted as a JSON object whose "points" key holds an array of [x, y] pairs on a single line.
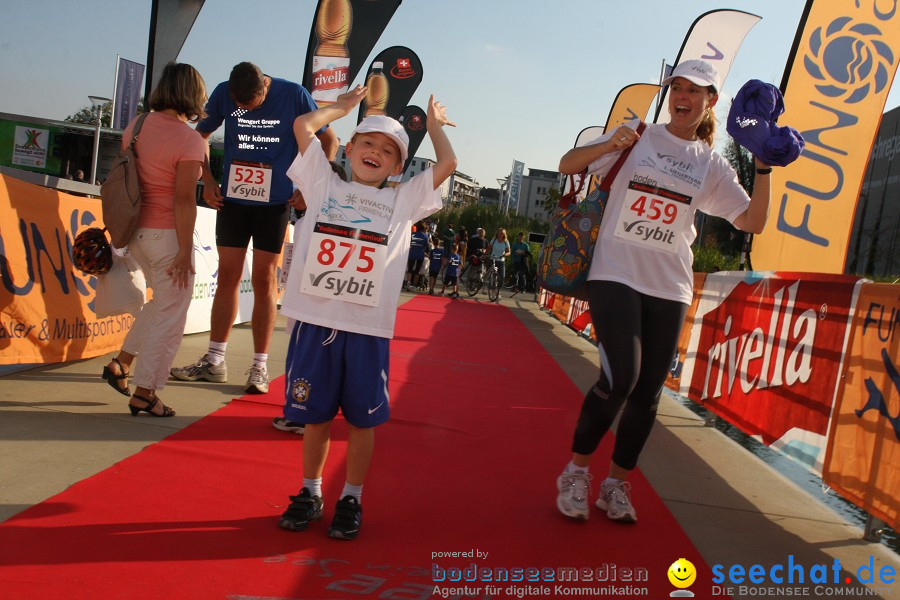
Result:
{"points": [[258, 380], [574, 490], [615, 499]]}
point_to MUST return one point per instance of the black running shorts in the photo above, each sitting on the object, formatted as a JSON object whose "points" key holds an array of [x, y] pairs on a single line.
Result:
{"points": [[237, 224]]}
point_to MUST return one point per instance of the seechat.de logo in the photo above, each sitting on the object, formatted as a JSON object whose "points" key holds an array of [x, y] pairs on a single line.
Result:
{"points": [[850, 59]]}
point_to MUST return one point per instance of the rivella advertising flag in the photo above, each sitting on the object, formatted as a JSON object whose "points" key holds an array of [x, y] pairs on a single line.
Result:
{"points": [[515, 184], [392, 80], [835, 86], [343, 34], [130, 75], [765, 354], [715, 37]]}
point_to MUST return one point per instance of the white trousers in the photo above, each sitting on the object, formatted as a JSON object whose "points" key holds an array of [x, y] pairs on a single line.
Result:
{"points": [[158, 329]]}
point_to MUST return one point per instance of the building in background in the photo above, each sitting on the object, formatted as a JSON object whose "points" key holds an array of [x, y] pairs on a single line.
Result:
{"points": [[490, 197], [534, 193], [874, 247]]}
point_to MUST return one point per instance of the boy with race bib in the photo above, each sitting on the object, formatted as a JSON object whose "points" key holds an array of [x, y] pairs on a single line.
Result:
{"points": [[349, 262]]}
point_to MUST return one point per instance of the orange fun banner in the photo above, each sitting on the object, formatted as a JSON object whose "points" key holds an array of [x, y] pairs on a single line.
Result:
{"points": [[835, 88], [862, 458], [46, 304]]}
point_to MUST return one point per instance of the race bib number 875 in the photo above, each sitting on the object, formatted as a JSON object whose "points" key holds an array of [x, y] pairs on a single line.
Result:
{"points": [[345, 264], [653, 217]]}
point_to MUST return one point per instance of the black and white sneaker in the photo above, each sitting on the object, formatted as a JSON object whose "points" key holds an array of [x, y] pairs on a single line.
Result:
{"points": [[303, 510], [347, 519], [282, 424]]}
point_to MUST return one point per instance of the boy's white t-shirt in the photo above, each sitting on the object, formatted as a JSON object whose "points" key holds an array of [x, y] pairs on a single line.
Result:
{"points": [[648, 227], [350, 249]]}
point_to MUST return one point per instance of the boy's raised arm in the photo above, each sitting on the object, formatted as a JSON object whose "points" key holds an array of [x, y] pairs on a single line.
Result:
{"points": [[443, 151], [306, 125]]}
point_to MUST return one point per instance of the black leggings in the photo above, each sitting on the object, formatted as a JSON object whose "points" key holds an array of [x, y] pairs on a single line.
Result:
{"points": [[637, 337]]}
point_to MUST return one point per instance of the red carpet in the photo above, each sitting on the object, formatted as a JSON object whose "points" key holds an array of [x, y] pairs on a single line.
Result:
{"points": [[480, 428]]}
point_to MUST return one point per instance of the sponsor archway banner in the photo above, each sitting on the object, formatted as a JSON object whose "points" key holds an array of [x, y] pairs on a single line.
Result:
{"points": [[170, 23], [342, 36], [863, 454], [393, 77], [765, 353], [716, 37], [835, 86]]}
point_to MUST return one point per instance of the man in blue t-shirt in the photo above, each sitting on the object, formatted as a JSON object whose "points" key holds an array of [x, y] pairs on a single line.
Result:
{"points": [[254, 202]]}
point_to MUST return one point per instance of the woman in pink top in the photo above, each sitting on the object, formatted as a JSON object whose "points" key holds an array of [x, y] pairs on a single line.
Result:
{"points": [[170, 154]]}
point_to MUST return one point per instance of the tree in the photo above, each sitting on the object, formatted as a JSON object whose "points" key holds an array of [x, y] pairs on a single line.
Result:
{"points": [[87, 115]]}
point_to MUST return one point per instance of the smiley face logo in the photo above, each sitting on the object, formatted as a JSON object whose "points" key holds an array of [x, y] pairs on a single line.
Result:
{"points": [[682, 573]]}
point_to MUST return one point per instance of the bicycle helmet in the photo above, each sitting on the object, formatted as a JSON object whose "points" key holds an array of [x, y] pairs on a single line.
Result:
{"points": [[91, 251]]}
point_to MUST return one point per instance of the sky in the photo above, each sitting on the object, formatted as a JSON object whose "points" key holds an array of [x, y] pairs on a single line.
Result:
{"points": [[521, 78]]}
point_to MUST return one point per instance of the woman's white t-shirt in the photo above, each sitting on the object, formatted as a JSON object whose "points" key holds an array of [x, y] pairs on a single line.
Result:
{"points": [[648, 227]]}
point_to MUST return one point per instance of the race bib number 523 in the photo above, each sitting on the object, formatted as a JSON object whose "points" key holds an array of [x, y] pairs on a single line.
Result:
{"points": [[345, 264], [249, 182], [653, 217]]}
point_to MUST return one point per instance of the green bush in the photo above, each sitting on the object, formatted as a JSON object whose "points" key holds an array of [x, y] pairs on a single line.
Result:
{"points": [[709, 260]]}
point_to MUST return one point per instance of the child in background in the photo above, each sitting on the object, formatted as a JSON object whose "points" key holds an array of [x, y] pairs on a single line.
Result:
{"points": [[348, 266], [451, 273], [436, 262]]}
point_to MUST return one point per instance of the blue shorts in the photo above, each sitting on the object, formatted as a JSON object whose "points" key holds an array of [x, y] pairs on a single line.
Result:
{"points": [[329, 369]]}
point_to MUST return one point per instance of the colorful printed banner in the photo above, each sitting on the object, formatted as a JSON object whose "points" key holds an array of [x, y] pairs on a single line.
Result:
{"points": [[835, 87], [715, 37], [342, 36], [863, 456], [765, 354]]}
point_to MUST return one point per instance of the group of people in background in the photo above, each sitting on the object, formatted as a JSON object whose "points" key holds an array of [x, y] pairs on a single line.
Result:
{"points": [[443, 257]]}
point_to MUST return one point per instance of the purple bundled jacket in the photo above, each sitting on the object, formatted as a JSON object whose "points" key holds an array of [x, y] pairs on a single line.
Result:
{"points": [[751, 122]]}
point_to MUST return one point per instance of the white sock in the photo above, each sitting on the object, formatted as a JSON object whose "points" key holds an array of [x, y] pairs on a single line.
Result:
{"points": [[314, 486], [352, 490], [216, 352], [260, 359], [611, 481], [573, 468]]}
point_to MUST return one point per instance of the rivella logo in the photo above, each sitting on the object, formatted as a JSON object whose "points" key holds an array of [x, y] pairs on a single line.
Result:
{"points": [[849, 59]]}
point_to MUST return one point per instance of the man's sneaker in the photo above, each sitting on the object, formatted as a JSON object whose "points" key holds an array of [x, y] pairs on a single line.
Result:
{"points": [[615, 499], [347, 519], [282, 424], [303, 510], [257, 380], [202, 369], [574, 491]]}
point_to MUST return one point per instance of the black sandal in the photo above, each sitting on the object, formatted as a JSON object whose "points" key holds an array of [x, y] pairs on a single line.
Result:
{"points": [[111, 378], [167, 412]]}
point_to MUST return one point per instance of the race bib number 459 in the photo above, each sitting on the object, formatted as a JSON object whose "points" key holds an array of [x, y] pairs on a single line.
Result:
{"points": [[653, 217], [345, 264]]}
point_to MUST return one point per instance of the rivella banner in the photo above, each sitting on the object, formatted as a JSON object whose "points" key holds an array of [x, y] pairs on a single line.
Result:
{"points": [[342, 36], [765, 353], [716, 37], [392, 79], [863, 455], [835, 87]]}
